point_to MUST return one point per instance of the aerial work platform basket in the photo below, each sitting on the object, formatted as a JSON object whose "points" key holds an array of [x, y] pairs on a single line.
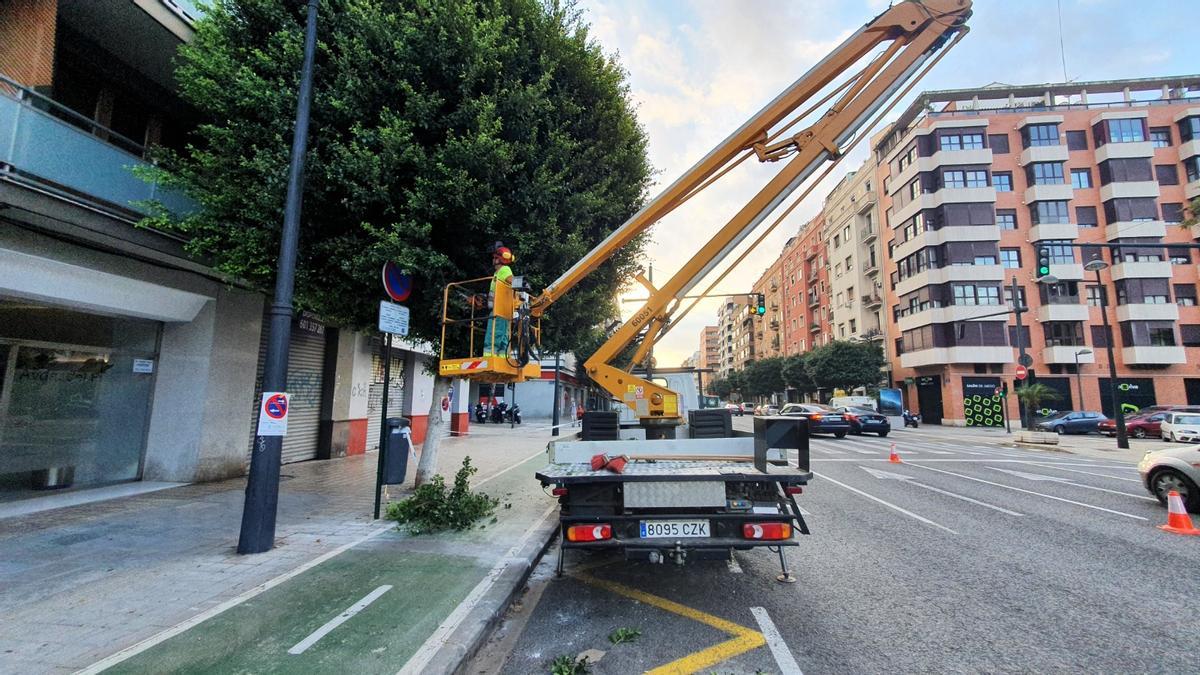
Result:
{"points": [[502, 342]]}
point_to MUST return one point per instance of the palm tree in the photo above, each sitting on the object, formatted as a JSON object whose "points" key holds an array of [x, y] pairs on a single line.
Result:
{"points": [[1033, 395]]}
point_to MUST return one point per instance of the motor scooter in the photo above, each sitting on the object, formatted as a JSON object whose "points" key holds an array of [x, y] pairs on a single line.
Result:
{"points": [[498, 413], [514, 414], [912, 419], [481, 415]]}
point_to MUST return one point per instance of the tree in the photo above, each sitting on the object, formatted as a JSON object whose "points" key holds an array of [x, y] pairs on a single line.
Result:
{"points": [[845, 365], [438, 128], [736, 381], [763, 377], [1033, 395], [795, 374], [720, 387]]}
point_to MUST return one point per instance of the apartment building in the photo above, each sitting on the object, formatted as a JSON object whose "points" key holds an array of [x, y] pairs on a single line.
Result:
{"points": [[728, 319], [768, 328], [851, 236], [709, 354], [974, 182], [122, 358]]}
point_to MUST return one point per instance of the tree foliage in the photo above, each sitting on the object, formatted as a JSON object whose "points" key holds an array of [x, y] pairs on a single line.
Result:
{"points": [[720, 387], [795, 374], [438, 127], [763, 377], [845, 365]]}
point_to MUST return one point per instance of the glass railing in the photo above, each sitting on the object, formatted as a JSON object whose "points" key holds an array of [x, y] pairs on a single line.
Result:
{"points": [[73, 159]]}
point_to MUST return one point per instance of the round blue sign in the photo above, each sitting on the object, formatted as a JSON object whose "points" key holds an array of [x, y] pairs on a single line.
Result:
{"points": [[397, 284]]}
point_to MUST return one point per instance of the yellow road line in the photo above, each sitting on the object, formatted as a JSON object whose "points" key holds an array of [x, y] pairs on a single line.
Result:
{"points": [[743, 641]]}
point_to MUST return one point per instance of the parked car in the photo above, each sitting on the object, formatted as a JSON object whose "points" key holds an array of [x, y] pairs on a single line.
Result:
{"points": [[1138, 426], [1175, 469], [1180, 426], [766, 409], [735, 409], [746, 407], [1151, 409], [821, 418], [1071, 422], [865, 420]]}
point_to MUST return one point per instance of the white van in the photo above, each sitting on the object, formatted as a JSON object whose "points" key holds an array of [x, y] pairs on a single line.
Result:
{"points": [[854, 402]]}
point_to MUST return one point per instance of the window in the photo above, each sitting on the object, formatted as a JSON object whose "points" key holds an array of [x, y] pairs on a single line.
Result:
{"points": [[998, 143], [1185, 295], [1010, 258], [853, 326], [1020, 296], [1191, 166], [984, 260], [1189, 128], [1126, 131], [1002, 181], [1101, 337], [1162, 336], [961, 142], [1190, 334], [954, 179], [1125, 170], [1061, 252], [1081, 179], [1160, 137], [1044, 213], [846, 233], [914, 189], [1166, 174], [1024, 340], [1006, 219], [1096, 296], [841, 330], [1180, 256], [1085, 216], [837, 270], [849, 263], [1040, 134], [837, 240], [1045, 173], [1077, 140], [1133, 209], [1063, 333], [970, 294], [1172, 212], [978, 179], [1059, 293]]}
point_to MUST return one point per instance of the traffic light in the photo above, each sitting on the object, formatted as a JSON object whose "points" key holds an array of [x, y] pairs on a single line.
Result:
{"points": [[762, 303], [1043, 261]]}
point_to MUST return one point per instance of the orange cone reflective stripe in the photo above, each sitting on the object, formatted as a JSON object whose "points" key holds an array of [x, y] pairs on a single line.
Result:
{"points": [[1178, 520]]}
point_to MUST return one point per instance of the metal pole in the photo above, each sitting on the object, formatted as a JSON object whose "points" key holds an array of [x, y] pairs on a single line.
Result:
{"points": [[385, 352], [1004, 408], [1018, 310], [262, 485], [1078, 381], [512, 417], [557, 395], [1122, 438]]}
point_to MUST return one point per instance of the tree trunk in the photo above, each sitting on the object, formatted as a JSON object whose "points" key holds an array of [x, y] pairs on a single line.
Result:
{"points": [[427, 465]]}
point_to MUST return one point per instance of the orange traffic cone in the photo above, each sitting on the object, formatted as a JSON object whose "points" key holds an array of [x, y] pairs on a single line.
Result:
{"points": [[1178, 520], [893, 457]]}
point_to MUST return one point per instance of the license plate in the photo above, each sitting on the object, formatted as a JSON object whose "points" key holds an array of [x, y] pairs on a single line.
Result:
{"points": [[653, 529], [834, 418]]}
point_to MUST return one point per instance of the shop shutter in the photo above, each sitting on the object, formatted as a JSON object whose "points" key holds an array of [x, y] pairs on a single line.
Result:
{"points": [[396, 395], [306, 358]]}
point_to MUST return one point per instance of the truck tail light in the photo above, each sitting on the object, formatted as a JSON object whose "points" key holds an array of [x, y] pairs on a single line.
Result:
{"points": [[794, 490], [767, 531], [589, 532], [559, 492]]}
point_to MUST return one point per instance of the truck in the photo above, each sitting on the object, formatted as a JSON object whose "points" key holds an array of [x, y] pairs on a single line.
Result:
{"points": [[687, 485]]}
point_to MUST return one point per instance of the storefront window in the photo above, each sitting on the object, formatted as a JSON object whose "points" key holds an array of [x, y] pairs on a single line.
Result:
{"points": [[74, 397]]}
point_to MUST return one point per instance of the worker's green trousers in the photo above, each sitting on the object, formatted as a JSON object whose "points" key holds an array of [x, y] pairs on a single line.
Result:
{"points": [[495, 338]]}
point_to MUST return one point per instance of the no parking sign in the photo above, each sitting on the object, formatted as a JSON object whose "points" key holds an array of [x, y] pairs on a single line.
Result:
{"points": [[273, 414]]}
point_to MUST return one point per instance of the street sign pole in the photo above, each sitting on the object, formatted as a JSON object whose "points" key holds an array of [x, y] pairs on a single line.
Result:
{"points": [[557, 401], [1018, 310], [262, 485], [385, 352]]}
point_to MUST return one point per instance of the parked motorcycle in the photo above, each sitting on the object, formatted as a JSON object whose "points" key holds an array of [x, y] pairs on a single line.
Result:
{"points": [[911, 419], [481, 415], [498, 413], [514, 414]]}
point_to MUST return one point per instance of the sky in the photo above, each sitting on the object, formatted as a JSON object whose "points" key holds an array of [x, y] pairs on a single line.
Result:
{"points": [[698, 69]]}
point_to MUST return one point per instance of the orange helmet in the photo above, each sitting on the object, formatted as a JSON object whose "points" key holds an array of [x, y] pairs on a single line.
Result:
{"points": [[503, 255]]}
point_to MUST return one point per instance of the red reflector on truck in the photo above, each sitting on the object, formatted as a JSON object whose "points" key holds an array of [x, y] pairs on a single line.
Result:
{"points": [[559, 491], [794, 490], [589, 532], [768, 531]]}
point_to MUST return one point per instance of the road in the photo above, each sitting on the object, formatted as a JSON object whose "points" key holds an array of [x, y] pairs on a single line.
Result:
{"points": [[965, 557]]}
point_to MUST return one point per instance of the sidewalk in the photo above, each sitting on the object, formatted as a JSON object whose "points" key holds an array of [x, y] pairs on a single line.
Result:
{"points": [[155, 580], [1091, 445]]}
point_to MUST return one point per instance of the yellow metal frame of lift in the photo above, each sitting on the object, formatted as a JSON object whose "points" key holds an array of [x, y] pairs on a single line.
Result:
{"points": [[476, 365]]}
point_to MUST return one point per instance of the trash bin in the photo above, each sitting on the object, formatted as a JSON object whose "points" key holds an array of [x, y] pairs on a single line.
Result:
{"points": [[395, 450]]}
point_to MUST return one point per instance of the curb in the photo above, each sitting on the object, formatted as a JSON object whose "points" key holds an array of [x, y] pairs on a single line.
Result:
{"points": [[466, 640]]}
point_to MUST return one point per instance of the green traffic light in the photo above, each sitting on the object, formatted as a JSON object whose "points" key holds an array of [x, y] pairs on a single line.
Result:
{"points": [[762, 310]]}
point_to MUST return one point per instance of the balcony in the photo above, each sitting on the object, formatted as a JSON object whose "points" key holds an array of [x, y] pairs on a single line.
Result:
{"points": [[868, 235], [1043, 153], [1066, 354], [814, 327], [1145, 312], [1141, 228], [814, 301], [1129, 189], [944, 275], [932, 200], [950, 314], [939, 237], [1124, 150], [1060, 192], [871, 300], [72, 163], [873, 335], [1152, 355], [1062, 312], [1141, 270], [1189, 149], [871, 269], [1050, 231], [1067, 271], [949, 355], [865, 201], [1192, 189]]}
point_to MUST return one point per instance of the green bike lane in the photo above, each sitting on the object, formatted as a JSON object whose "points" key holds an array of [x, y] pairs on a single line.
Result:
{"points": [[429, 577]]}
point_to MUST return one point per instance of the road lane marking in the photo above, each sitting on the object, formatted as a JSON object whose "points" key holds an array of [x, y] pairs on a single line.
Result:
{"points": [[301, 646], [779, 649], [1031, 492], [1086, 473], [734, 567], [744, 639], [890, 505], [1067, 481], [888, 475], [506, 470], [418, 661], [825, 450]]}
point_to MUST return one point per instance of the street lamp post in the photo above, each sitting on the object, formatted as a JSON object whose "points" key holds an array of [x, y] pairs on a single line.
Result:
{"points": [[1078, 378], [1122, 439]]}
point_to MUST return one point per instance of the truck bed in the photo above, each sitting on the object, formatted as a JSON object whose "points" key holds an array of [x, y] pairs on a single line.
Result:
{"points": [[674, 470]]}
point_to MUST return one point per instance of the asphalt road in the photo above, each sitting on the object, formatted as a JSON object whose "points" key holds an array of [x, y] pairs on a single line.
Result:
{"points": [[965, 558]]}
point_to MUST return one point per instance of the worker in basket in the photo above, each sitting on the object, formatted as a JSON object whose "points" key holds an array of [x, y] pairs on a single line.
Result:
{"points": [[495, 339]]}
